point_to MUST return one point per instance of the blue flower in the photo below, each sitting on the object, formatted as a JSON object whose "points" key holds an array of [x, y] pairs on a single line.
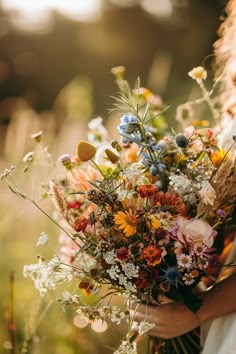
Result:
{"points": [[128, 118], [128, 124], [172, 275]]}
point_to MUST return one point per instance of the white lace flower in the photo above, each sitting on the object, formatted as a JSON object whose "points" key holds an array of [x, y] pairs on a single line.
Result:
{"points": [[133, 170], [48, 274], [130, 289], [114, 272], [145, 326], [124, 194], [110, 257], [72, 298], [130, 270], [180, 183], [127, 348]]}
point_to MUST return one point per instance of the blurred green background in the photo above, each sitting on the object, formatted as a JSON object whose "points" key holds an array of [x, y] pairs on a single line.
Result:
{"points": [[55, 61]]}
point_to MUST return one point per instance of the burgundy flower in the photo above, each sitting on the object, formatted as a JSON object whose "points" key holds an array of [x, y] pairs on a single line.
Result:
{"points": [[122, 253], [142, 282]]}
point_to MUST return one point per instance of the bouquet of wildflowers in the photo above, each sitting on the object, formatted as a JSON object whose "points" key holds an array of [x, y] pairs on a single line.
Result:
{"points": [[139, 216]]}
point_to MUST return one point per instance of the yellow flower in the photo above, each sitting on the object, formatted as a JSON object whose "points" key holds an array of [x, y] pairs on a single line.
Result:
{"points": [[200, 123], [127, 222], [155, 222]]}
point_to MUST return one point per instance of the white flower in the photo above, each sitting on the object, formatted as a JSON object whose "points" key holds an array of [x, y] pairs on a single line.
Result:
{"points": [[188, 279], [48, 274], [110, 257], [127, 348], [97, 133], [145, 326], [184, 260], [180, 183], [198, 73], [130, 270], [43, 239], [114, 272], [72, 298], [133, 170], [117, 316], [130, 289], [124, 194], [89, 314], [29, 157]]}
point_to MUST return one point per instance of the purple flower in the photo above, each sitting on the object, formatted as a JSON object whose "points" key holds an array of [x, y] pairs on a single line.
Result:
{"points": [[220, 213]]}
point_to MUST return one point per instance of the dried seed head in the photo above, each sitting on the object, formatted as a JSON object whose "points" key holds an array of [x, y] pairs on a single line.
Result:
{"points": [[85, 151]]}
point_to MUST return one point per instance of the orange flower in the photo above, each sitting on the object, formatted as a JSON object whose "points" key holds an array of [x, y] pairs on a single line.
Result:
{"points": [[152, 255], [131, 153], [147, 190], [127, 222], [217, 156]]}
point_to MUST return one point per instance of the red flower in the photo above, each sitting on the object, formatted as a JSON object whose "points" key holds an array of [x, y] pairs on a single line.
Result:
{"points": [[147, 190], [80, 224], [74, 204], [122, 253], [171, 200], [214, 265]]}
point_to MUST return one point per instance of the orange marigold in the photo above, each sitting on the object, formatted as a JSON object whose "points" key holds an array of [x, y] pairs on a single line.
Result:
{"points": [[152, 255]]}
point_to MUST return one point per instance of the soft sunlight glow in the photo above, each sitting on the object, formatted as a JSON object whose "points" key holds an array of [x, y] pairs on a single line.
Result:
{"points": [[81, 10], [35, 15], [158, 8], [124, 3]]}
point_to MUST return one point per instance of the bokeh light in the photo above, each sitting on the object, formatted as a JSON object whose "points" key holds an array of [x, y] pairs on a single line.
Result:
{"points": [[80, 322], [99, 326], [34, 15], [159, 8]]}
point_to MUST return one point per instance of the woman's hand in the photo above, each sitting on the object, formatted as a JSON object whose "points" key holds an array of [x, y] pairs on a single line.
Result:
{"points": [[174, 319], [171, 320]]}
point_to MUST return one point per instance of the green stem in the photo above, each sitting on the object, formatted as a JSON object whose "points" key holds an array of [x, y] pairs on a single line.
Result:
{"points": [[54, 221], [149, 339], [11, 314], [96, 165]]}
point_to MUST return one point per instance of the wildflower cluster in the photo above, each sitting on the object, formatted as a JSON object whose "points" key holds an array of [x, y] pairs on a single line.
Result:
{"points": [[144, 211]]}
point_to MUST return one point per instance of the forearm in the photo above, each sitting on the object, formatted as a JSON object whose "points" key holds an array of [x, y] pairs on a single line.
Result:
{"points": [[219, 301]]}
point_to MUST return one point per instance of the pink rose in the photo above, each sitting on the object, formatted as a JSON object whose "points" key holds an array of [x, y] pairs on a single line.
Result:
{"points": [[207, 194], [195, 231]]}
